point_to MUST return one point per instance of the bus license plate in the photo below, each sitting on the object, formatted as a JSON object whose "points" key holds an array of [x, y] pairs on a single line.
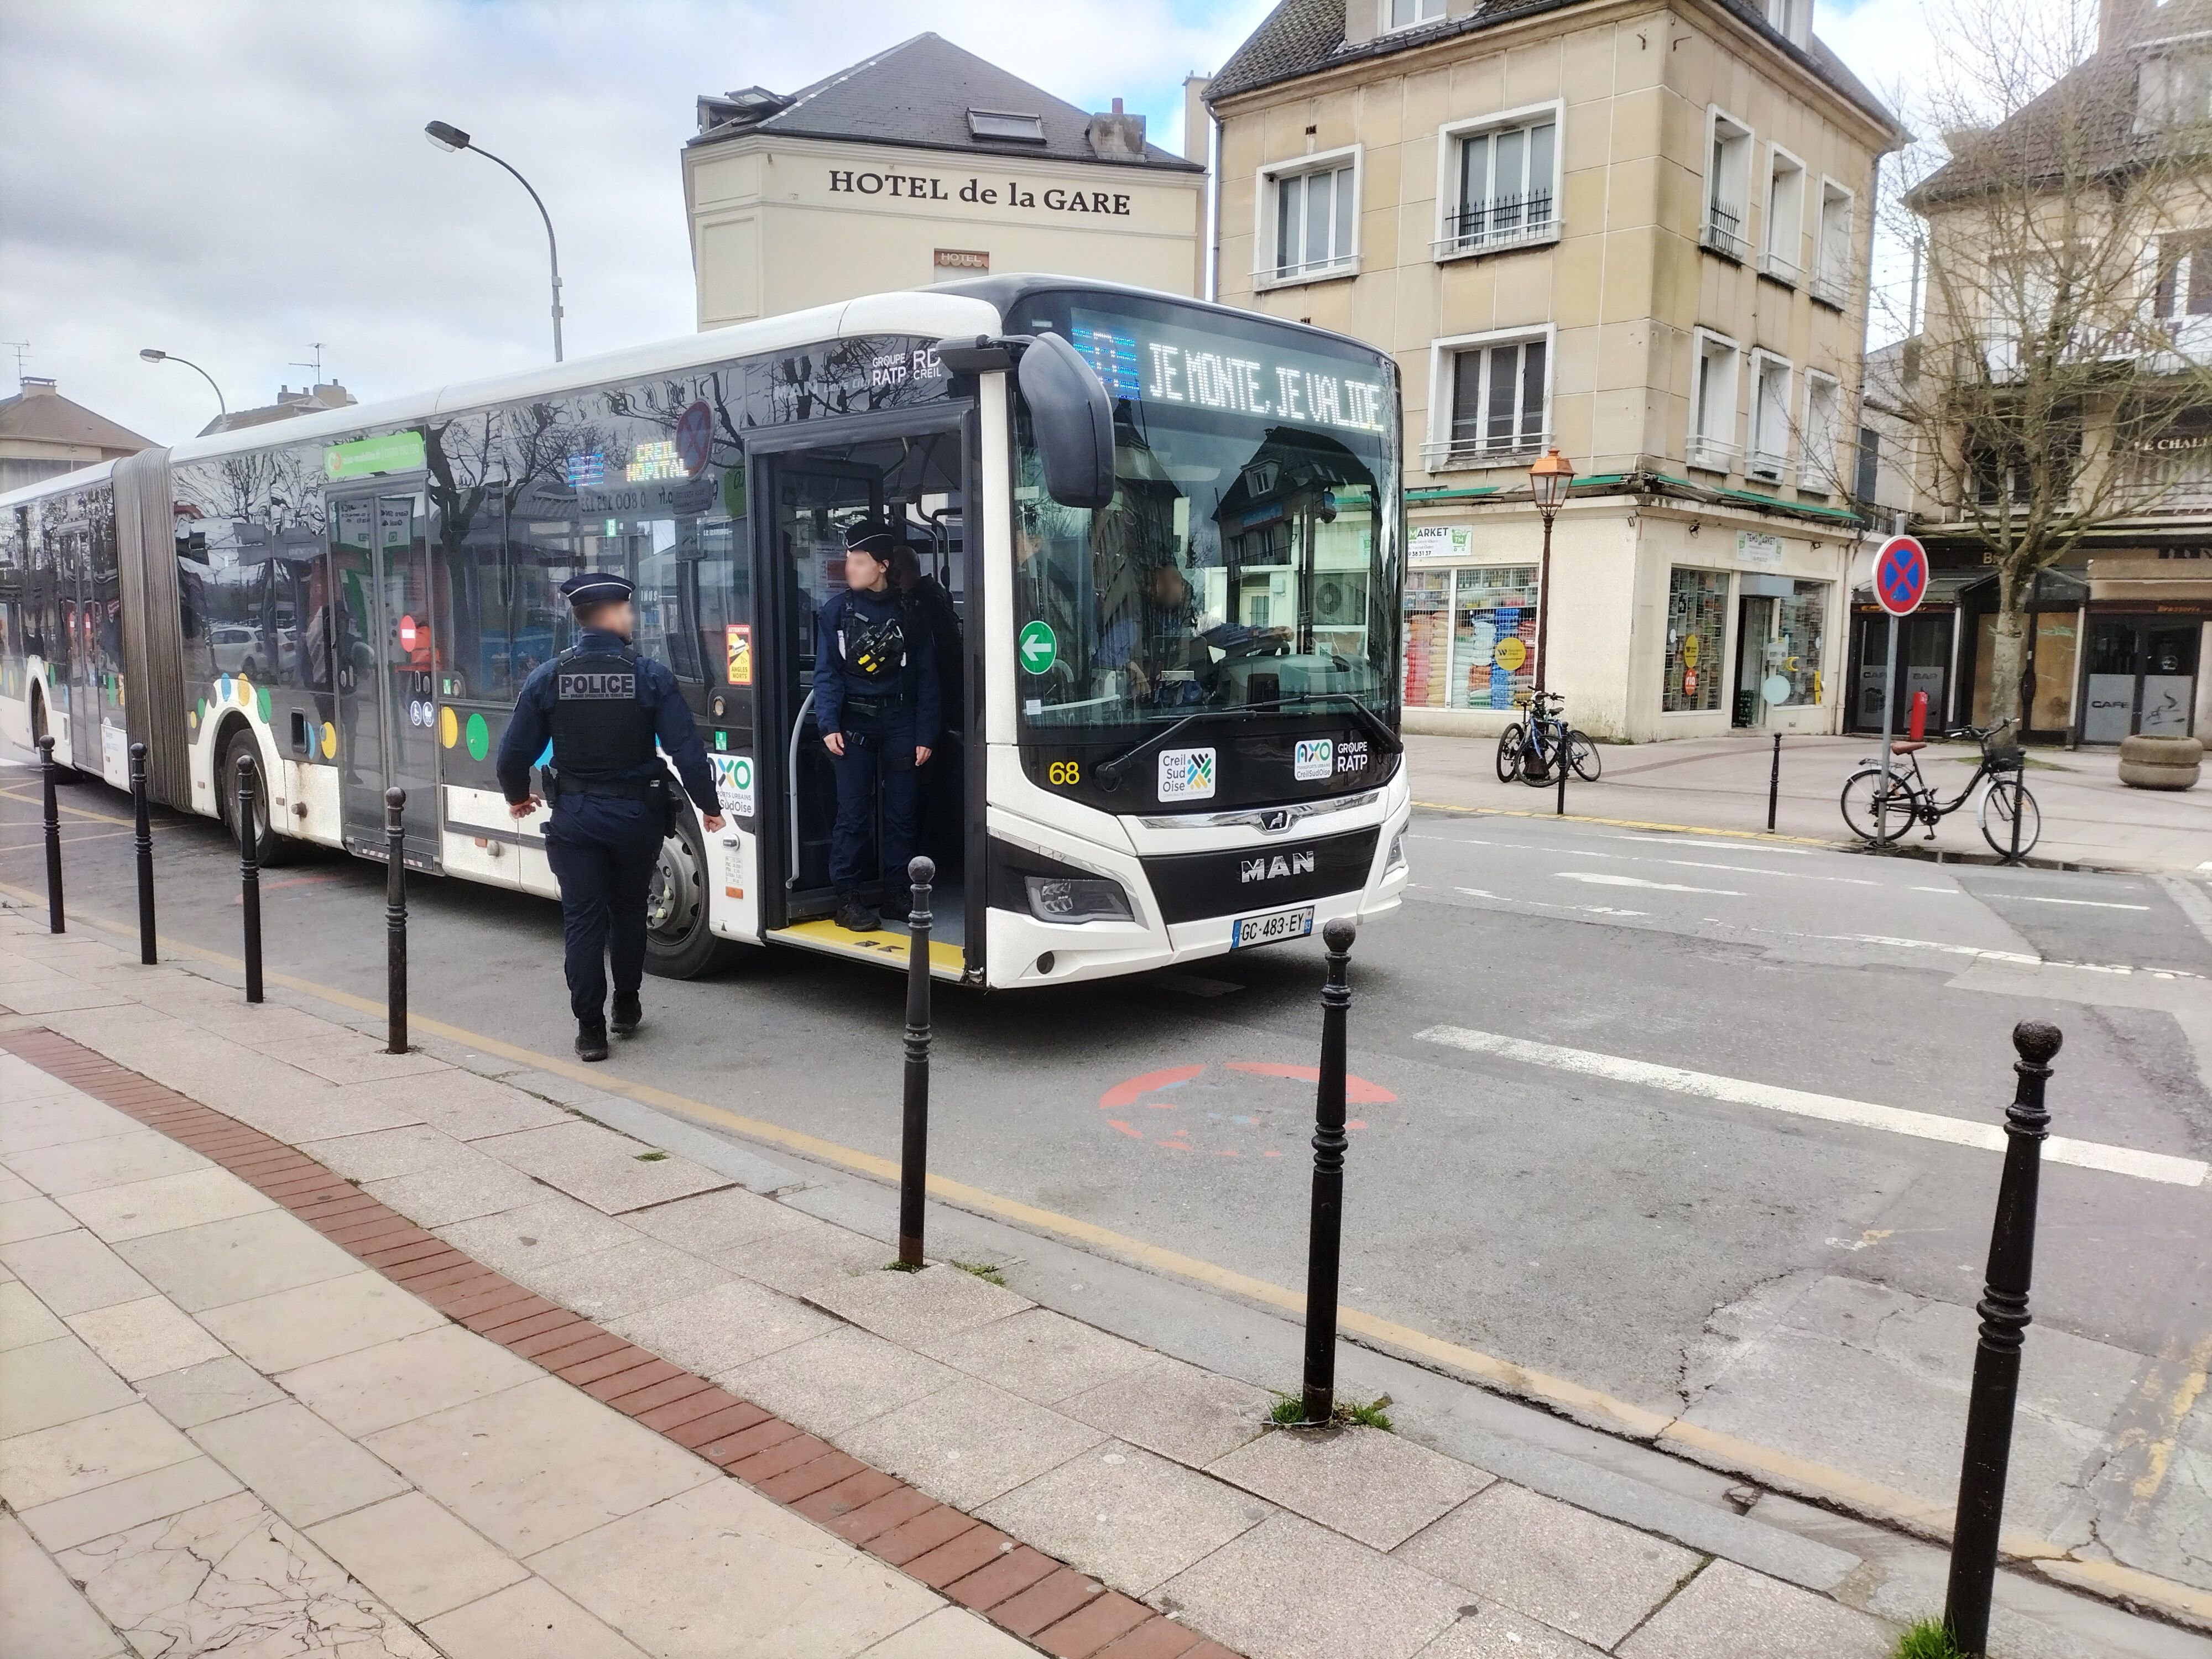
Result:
{"points": [[1265, 930]]}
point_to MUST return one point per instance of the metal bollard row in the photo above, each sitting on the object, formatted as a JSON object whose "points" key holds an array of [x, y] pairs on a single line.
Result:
{"points": [[249, 877], [913, 1140], [1325, 1226], [55, 921], [395, 921], [142, 832]]}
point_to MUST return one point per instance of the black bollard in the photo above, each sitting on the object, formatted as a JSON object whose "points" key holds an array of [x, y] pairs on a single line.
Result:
{"points": [[395, 921], [2003, 1308], [249, 877], [1565, 762], [1774, 784], [142, 834], [1325, 1240], [54, 922], [914, 1142]]}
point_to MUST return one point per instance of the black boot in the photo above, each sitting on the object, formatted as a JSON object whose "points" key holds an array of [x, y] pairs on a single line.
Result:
{"points": [[591, 1040], [628, 1015], [855, 915]]}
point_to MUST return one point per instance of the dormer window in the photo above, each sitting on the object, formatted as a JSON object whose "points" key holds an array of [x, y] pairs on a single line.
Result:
{"points": [[1790, 19], [1405, 14], [2173, 89], [1006, 125]]}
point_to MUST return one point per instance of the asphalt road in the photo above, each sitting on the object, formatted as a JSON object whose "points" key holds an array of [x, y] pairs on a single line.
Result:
{"points": [[1687, 1243]]}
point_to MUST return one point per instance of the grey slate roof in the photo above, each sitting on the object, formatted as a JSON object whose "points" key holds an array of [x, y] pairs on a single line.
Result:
{"points": [[1301, 37], [919, 93]]}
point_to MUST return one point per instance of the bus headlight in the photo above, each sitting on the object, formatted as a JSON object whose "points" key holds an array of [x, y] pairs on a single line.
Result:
{"points": [[1397, 859], [1077, 898]]}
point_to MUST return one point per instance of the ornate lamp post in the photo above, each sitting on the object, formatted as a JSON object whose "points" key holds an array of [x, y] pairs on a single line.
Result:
{"points": [[1549, 475]]}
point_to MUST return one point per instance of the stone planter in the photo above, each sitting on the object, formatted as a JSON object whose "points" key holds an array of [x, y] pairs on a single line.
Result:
{"points": [[2149, 762]]}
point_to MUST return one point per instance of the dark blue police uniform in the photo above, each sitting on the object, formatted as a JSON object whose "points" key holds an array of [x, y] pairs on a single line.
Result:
{"points": [[605, 708], [875, 681]]}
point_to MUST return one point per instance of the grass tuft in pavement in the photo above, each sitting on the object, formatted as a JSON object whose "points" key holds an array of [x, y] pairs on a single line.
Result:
{"points": [[896, 1265], [987, 1271], [1289, 1411], [1928, 1639], [650, 1157]]}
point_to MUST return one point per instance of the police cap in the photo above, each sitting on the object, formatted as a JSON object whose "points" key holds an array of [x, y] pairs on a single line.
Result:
{"points": [[587, 588], [871, 537]]}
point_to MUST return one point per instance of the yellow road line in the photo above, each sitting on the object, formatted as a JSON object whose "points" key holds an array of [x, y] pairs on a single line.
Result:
{"points": [[1785, 1470], [63, 808], [1630, 823], [67, 841]]}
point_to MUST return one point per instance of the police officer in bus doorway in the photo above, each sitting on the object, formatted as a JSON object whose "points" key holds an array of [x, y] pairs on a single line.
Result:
{"points": [[605, 707], [876, 702]]}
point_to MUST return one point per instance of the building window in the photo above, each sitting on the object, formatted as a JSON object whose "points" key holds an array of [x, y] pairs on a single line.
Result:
{"points": [[2172, 90], [1789, 18], [1728, 181], [1503, 183], [1491, 398], [1801, 623], [1785, 217], [1712, 403], [1770, 418], [2184, 286], [1697, 629], [1315, 208], [1832, 256], [1823, 432], [1470, 636], [1404, 14], [1868, 483]]}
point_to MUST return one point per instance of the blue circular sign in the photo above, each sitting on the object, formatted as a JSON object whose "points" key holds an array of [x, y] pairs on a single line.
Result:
{"points": [[1900, 575]]}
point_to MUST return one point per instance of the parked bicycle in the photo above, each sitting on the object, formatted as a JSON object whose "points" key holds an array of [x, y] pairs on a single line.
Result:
{"points": [[1879, 817], [1527, 747]]}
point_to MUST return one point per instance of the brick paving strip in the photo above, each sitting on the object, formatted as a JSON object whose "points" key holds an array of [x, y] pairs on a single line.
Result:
{"points": [[1029, 1594]]}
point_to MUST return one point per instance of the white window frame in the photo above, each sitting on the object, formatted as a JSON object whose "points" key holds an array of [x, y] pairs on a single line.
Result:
{"points": [[1384, 26], [1730, 242], [1765, 462], [1266, 273], [1817, 468], [1439, 453], [1832, 258], [1781, 259], [1789, 18], [1709, 452], [1453, 243]]}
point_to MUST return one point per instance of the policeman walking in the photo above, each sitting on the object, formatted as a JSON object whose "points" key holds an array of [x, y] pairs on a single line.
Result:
{"points": [[875, 702], [605, 707]]}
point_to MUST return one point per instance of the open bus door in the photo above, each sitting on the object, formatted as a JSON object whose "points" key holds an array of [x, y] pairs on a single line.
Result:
{"points": [[808, 486]]}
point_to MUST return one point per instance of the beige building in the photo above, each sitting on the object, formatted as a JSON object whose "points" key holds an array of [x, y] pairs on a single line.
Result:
{"points": [[44, 435], [926, 164], [1638, 231]]}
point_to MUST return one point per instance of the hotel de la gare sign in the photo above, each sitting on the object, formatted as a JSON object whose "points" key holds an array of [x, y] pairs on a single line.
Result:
{"points": [[977, 193]]}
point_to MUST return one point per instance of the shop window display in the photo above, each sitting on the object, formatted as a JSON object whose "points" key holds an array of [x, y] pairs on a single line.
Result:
{"points": [[1493, 635], [1428, 639], [1801, 625], [1697, 626]]}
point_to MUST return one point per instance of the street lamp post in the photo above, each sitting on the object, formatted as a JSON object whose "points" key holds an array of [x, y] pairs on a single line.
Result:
{"points": [[153, 356], [1548, 478], [447, 137]]}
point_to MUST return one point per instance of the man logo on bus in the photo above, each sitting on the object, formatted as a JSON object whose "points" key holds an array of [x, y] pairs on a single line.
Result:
{"points": [[1282, 864]]}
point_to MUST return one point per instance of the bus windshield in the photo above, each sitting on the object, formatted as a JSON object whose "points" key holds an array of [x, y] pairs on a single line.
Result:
{"points": [[1249, 558]]}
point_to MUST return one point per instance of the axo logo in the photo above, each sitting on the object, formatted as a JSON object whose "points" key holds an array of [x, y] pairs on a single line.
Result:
{"points": [[1313, 760]]}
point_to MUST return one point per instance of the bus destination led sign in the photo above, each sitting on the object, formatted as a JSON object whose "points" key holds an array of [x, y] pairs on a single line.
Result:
{"points": [[1159, 364]]}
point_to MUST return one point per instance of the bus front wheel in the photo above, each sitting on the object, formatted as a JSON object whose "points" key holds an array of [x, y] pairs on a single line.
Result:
{"points": [[677, 942]]}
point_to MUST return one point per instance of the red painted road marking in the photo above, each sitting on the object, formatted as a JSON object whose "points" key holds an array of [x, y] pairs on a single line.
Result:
{"points": [[1358, 1090], [1126, 1094], [1131, 1091]]}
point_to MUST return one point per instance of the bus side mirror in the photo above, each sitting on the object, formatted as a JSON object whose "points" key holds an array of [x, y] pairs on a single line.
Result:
{"points": [[1072, 421]]}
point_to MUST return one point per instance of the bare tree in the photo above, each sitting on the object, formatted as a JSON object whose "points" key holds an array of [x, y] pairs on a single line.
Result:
{"points": [[2063, 360]]}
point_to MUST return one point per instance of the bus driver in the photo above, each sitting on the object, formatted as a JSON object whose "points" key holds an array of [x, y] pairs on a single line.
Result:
{"points": [[876, 702]]}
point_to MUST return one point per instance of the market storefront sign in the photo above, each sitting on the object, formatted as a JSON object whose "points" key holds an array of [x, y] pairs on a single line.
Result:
{"points": [[974, 190], [1442, 541]]}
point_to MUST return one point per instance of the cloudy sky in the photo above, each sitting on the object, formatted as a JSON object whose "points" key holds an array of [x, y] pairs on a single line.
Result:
{"points": [[232, 179]]}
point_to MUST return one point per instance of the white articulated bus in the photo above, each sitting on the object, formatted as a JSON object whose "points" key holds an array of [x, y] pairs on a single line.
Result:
{"points": [[1171, 532]]}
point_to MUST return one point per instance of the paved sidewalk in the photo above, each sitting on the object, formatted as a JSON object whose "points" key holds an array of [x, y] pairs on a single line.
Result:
{"points": [[2089, 817], [372, 1354]]}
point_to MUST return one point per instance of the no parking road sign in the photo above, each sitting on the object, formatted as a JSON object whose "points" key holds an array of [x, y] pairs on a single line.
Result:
{"points": [[1900, 575]]}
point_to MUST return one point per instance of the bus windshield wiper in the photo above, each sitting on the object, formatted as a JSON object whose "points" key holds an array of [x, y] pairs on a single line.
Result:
{"points": [[1369, 720], [1109, 772]]}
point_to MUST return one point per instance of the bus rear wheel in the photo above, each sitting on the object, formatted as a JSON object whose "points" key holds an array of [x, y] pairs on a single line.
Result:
{"points": [[40, 727], [677, 942], [269, 846]]}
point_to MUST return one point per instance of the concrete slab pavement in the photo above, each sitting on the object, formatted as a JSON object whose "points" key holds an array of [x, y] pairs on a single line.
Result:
{"points": [[2089, 817], [535, 1468]]}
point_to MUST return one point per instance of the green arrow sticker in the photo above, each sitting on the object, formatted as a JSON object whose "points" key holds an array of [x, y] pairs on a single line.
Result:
{"points": [[1036, 647]]}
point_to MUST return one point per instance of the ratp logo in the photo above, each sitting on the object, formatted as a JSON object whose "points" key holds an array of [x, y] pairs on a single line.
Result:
{"points": [[1186, 774], [1314, 759]]}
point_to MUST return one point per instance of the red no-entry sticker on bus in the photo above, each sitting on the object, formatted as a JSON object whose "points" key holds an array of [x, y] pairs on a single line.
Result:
{"points": [[407, 633]]}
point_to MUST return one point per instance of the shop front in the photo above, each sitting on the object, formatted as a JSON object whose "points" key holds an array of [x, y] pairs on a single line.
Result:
{"points": [[2148, 620]]}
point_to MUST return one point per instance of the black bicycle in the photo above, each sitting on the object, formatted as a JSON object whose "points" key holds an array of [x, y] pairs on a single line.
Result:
{"points": [[1527, 747], [1879, 814]]}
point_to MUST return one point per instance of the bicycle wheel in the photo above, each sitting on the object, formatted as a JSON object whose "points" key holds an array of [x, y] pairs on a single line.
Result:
{"points": [[1509, 752], [2007, 802], [1873, 817], [1587, 761]]}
